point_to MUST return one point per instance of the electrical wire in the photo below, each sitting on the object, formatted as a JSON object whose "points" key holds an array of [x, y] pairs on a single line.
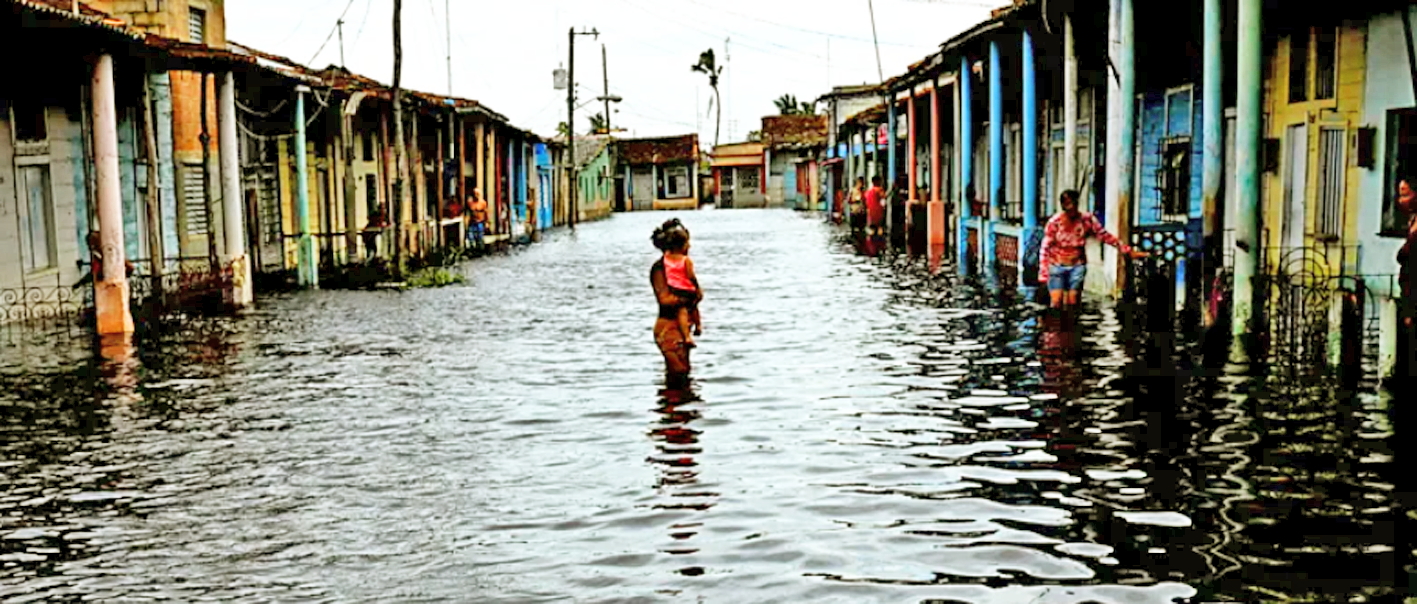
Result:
{"points": [[332, 32]]}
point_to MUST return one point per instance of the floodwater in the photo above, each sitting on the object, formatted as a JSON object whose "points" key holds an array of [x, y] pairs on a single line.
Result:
{"points": [[857, 430]]}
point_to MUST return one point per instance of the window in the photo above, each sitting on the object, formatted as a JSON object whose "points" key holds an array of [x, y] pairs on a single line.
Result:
{"points": [[1325, 63], [676, 182], [28, 121], [368, 143], [1012, 203], [196, 25], [36, 219], [371, 193], [748, 179], [195, 199], [1331, 165], [1175, 177], [1400, 160], [1299, 67]]}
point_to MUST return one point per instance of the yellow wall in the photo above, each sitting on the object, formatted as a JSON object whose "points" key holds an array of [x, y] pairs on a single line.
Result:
{"points": [[1344, 111]]}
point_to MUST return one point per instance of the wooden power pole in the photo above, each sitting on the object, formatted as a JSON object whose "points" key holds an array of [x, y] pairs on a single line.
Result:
{"points": [[396, 218]]}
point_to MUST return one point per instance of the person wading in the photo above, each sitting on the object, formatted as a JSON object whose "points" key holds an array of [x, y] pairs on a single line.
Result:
{"points": [[856, 205], [876, 207], [1063, 258], [667, 333]]}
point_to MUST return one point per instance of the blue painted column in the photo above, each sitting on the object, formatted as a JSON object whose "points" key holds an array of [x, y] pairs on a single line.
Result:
{"points": [[996, 160], [965, 150], [1248, 117], [1211, 135], [891, 141], [1029, 151], [307, 271]]}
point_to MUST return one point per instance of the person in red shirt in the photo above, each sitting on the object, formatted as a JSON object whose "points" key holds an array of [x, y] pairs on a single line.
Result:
{"points": [[875, 207], [1063, 259]]}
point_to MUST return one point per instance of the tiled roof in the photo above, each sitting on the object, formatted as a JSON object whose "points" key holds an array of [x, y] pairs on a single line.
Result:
{"points": [[781, 131], [659, 150], [87, 15]]}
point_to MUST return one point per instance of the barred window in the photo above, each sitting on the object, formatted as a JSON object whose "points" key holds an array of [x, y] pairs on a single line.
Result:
{"points": [[1331, 165]]}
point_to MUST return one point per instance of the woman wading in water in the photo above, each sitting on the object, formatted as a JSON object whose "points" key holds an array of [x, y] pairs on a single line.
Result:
{"points": [[672, 337]]}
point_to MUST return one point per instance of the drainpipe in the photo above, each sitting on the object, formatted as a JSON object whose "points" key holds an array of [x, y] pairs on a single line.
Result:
{"points": [[1211, 139], [307, 271], [228, 148], [110, 288], [966, 162], [1029, 152], [996, 159], [157, 257], [1248, 118]]}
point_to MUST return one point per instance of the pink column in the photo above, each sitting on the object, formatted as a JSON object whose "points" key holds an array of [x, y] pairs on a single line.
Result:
{"points": [[935, 212], [110, 288]]}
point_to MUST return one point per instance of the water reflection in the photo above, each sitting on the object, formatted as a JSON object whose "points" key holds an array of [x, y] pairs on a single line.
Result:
{"points": [[879, 430]]}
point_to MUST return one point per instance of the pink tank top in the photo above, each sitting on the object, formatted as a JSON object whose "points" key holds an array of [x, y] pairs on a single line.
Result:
{"points": [[677, 275]]}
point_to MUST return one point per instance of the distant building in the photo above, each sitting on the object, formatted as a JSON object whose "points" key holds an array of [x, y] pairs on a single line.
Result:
{"points": [[792, 143], [738, 175], [659, 173]]}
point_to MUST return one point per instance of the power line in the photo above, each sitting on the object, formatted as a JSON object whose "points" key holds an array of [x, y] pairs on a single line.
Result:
{"points": [[716, 36], [367, 8], [794, 27], [332, 33]]}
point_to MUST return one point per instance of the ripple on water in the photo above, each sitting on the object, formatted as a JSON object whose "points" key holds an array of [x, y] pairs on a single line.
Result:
{"points": [[858, 431]]}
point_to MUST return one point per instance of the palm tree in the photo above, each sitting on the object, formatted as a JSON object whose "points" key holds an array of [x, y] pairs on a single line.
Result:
{"points": [[598, 125], [562, 130], [787, 105], [707, 66]]}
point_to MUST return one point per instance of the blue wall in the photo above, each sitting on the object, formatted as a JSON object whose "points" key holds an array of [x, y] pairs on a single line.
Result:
{"points": [[1156, 126]]}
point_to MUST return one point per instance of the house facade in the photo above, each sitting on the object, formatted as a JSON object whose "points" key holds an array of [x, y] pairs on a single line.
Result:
{"points": [[792, 144], [660, 173], [738, 175]]}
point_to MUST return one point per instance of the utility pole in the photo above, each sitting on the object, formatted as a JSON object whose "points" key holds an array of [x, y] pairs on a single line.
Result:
{"points": [[573, 205], [605, 72], [571, 121], [340, 26], [448, 22], [396, 218]]}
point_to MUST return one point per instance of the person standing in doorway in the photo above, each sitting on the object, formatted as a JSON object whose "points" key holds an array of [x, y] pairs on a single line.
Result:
{"points": [[1063, 259], [477, 217]]}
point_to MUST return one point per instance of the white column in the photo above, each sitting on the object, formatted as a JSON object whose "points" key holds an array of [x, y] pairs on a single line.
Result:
{"points": [[235, 223], [110, 288]]}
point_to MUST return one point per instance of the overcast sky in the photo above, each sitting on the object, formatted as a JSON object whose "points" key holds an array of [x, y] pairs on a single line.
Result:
{"points": [[504, 52]]}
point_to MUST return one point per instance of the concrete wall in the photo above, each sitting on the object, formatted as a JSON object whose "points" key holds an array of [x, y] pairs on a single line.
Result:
{"points": [[1387, 86]]}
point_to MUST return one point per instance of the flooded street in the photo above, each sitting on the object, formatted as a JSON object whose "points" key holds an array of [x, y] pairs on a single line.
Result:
{"points": [[857, 431]]}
